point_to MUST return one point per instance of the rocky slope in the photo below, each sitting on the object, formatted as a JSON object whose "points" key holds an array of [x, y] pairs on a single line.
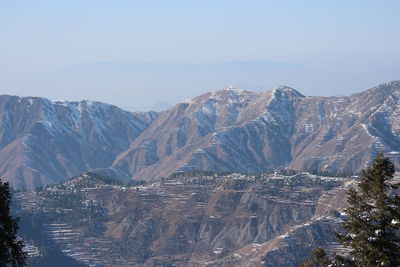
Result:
{"points": [[202, 220], [241, 131], [44, 142]]}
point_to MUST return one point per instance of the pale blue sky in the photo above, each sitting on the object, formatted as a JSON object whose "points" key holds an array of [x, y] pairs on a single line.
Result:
{"points": [[101, 50]]}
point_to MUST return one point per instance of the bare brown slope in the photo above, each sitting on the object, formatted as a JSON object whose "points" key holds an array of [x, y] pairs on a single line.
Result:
{"points": [[44, 142], [241, 131]]}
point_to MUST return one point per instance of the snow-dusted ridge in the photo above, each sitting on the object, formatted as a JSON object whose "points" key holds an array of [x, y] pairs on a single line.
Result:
{"points": [[50, 141], [244, 131], [43, 141]]}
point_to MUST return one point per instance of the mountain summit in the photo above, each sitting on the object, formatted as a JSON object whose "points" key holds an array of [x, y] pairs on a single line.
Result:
{"points": [[242, 131]]}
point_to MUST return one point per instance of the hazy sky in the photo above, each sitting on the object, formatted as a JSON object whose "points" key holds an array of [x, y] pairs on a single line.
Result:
{"points": [[147, 54]]}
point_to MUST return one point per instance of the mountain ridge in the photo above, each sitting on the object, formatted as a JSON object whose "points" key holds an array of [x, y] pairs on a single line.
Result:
{"points": [[44, 141], [291, 120]]}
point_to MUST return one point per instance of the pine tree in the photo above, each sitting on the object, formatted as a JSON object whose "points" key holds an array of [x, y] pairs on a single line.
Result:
{"points": [[371, 227], [11, 252], [372, 223]]}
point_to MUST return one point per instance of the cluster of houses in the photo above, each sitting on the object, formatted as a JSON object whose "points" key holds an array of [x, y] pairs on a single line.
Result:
{"points": [[95, 251]]}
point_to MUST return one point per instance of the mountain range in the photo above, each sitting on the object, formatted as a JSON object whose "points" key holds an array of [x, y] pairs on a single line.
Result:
{"points": [[230, 130]]}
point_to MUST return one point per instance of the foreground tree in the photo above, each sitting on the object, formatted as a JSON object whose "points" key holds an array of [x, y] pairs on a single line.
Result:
{"points": [[372, 223], [373, 217], [11, 252]]}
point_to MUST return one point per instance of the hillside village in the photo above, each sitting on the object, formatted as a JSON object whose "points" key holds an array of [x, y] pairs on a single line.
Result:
{"points": [[102, 222]]}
